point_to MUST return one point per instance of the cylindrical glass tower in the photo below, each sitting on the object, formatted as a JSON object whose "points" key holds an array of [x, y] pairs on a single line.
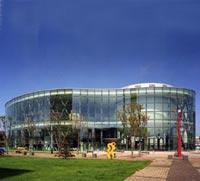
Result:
{"points": [[93, 111]]}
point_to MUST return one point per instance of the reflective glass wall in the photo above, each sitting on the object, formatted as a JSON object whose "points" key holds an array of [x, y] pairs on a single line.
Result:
{"points": [[161, 107], [96, 110], [37, 107]]}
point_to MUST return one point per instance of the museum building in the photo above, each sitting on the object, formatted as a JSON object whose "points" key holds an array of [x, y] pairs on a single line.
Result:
{"points": [[93, 112]]}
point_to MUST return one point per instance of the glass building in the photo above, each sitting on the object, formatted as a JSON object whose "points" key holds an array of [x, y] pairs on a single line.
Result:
{"points": [[93, 111]]}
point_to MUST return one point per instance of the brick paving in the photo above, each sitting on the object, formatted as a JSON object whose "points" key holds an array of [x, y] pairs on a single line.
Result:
{"points": [[183, 170], [164, 169], [157, 170]]}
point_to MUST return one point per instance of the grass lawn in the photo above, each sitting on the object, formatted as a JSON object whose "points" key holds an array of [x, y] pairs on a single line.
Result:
{"points": [[30, 168]]}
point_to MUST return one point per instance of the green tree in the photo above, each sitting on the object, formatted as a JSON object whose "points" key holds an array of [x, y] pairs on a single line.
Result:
{"points": [[133, 122]]}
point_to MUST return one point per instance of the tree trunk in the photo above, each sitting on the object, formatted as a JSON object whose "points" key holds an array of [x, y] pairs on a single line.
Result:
{"points": [[132, 139], [140, 147], [30, 145], [78, 142]]}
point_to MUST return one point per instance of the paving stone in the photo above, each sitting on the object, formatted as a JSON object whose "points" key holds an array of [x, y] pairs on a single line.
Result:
{"points": [[169, 170], [183, 170], [156, 171]]}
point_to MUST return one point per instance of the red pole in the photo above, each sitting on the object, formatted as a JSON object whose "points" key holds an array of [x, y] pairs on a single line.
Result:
{"points": [[179, 154]]}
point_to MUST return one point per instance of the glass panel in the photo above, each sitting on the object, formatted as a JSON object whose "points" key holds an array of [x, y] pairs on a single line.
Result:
{"points": [[173, 115], [127, 92], [98, 110], [150, 91], [142, 91], [166, 107], [47, 93], [76, 105], [158, 115], [158, 90], [142, 99], [173, 90], [105, 109], [179, 91], [151, 131], [150, 98], [134, 97], [158, 131], [158, 98], [41, 94], [119, 92], [83, 92], [54, 92], [98, 92], [158, 107], [112, 92], [158, 123], [68, 91], [112, 109], [134, 91], [166, 115], [76, 92], [91, 93], [150, 124], [166, 123], [151, 115], [105, 93], [91, 109], [166, 98], [61, 92], [150, 107]]}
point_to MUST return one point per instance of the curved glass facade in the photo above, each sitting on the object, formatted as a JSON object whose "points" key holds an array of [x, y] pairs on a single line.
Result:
{"points": [[96, 108]]}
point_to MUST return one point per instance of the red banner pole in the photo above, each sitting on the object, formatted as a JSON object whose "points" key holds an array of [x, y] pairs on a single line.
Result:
{"points": [[179, 154]]}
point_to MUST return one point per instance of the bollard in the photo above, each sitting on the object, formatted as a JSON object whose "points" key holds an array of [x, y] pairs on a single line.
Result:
{"points": [[94, 155], [84, 155], [185, 157], [170, 157]]}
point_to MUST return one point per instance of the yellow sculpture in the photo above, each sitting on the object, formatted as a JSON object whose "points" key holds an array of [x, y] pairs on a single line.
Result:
{"points": [[110, 150]]}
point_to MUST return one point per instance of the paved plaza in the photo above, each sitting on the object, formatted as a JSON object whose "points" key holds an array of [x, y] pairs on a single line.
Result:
{"points": [[163, 167]]}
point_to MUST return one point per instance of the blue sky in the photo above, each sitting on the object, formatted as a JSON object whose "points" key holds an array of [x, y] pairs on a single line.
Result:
{"points": [[47, 44]]}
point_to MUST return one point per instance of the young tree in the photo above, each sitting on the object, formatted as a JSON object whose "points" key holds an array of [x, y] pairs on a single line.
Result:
{"points": [[7, 124], [62, 133], [3, 137], [55, 130], [133, 122], [10, 134], [29, 126], [77, 126]]}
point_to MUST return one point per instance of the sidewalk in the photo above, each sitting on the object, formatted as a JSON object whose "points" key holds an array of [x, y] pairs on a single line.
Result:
{"points": [[156, 171], [183, 170], [174, 169]]}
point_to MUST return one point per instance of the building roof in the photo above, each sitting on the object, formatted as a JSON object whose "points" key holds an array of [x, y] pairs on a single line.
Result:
{"points": [[146, 85]]}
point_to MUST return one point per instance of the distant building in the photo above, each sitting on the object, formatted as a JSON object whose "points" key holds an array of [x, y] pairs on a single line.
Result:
{"points": [[197, 142], [1, 126], [96, 110], [2, 134]]}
